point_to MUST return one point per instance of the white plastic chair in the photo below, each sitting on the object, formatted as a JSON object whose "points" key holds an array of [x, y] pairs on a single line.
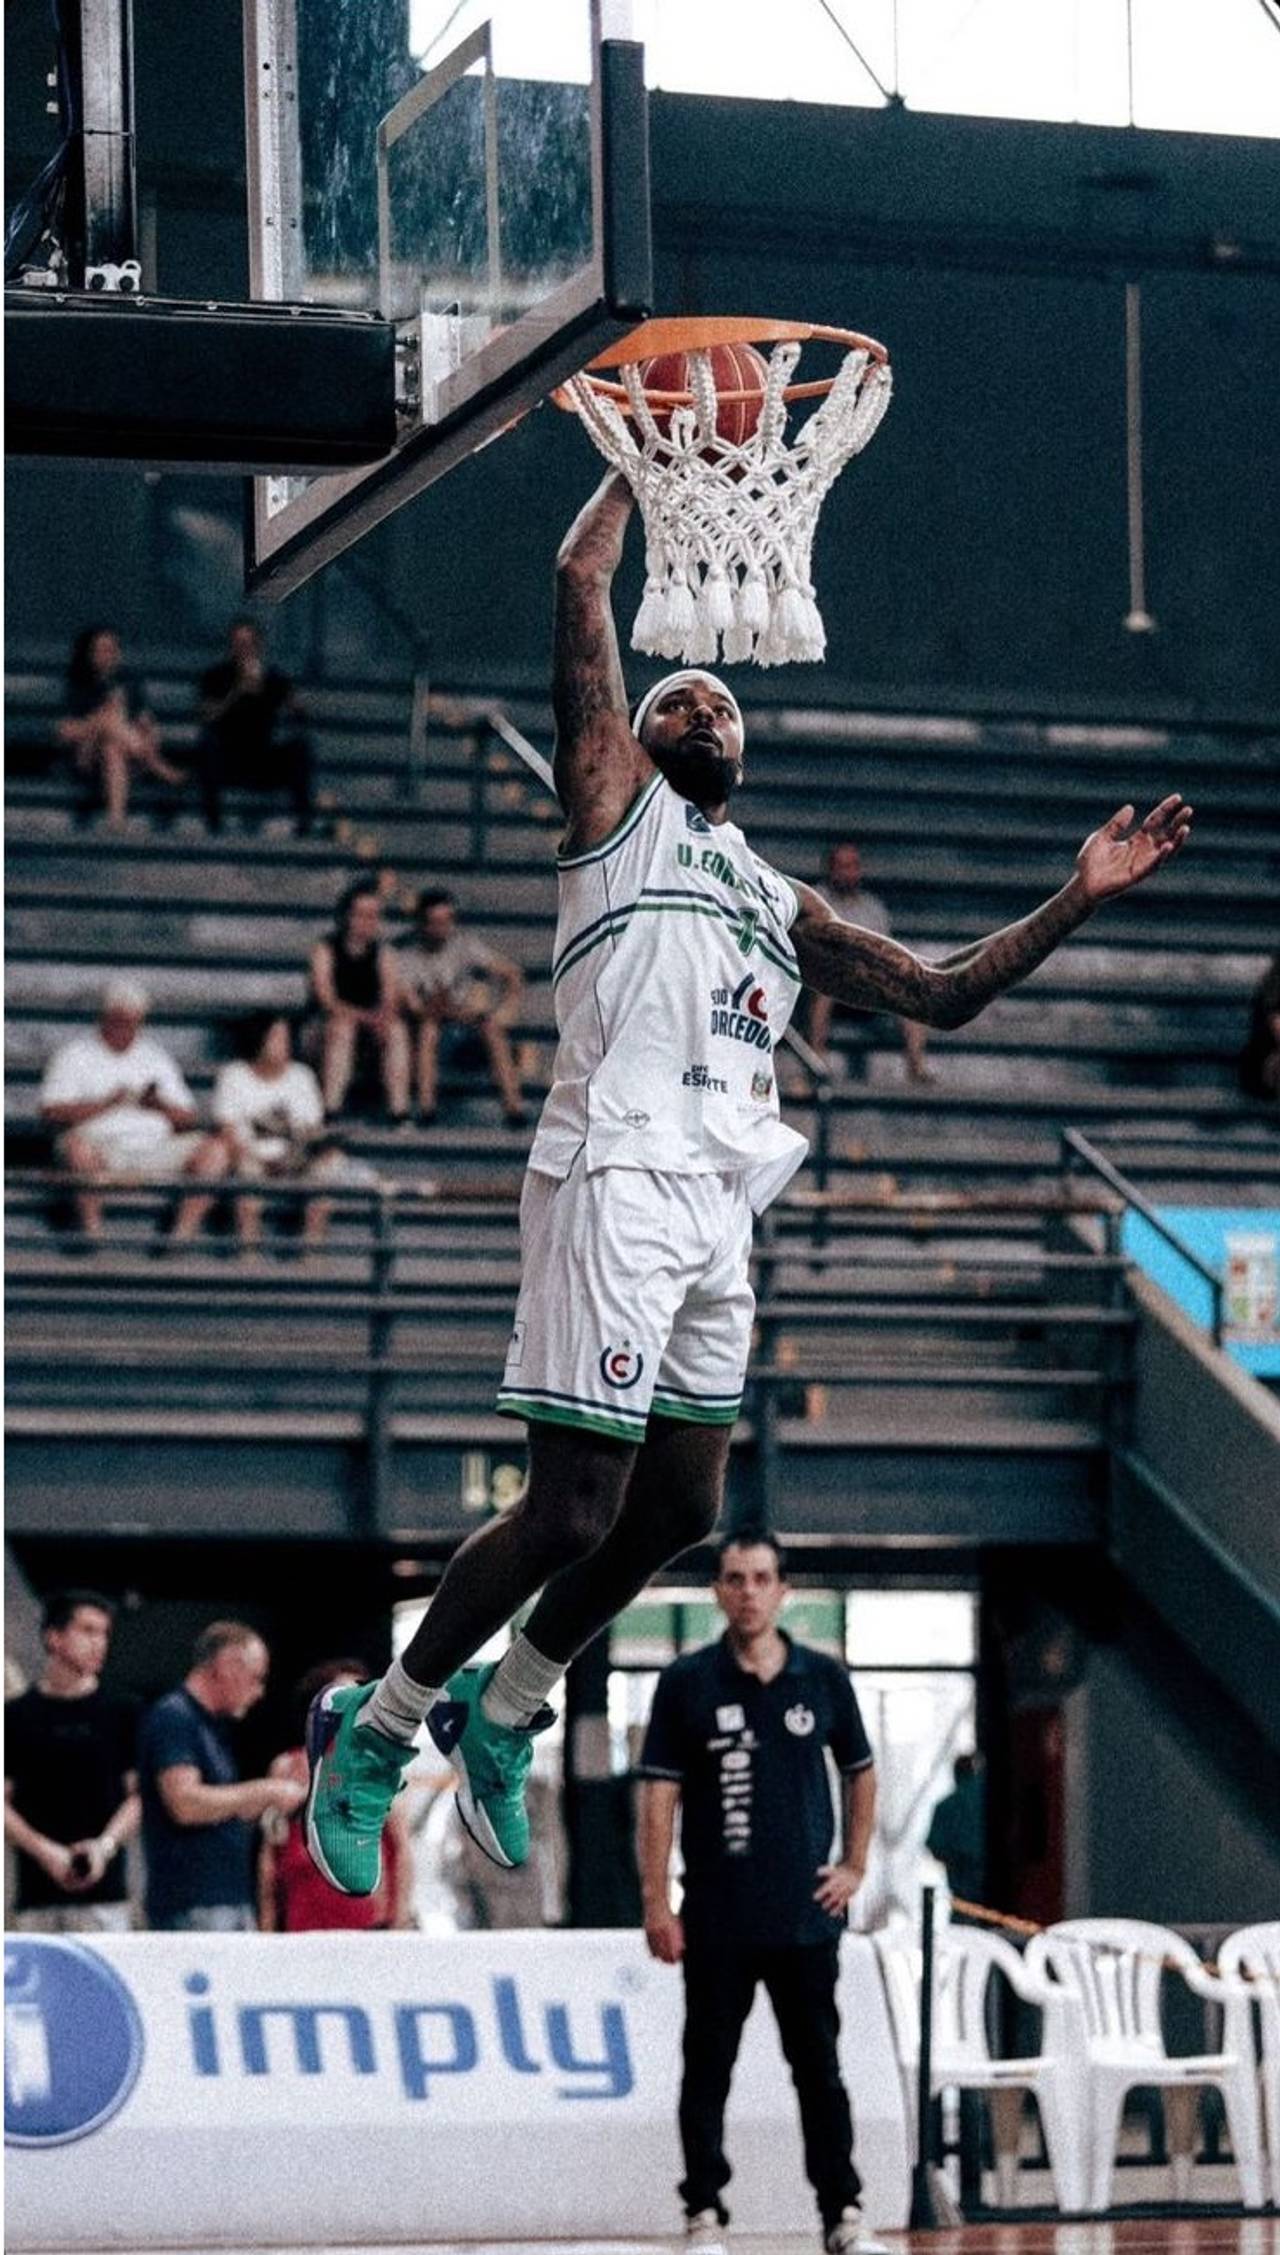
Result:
{"points": [[1254, 1952], [1114, 1967], [965, 1959]]}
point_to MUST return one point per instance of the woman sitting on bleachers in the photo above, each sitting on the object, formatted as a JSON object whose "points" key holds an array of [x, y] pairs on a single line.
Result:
{"points": [[107, 725], [268, 1106], [355, 992]]}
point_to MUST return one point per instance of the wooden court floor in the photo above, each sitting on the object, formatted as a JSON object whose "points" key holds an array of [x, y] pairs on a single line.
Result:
{"points": [[1155, 2235]]}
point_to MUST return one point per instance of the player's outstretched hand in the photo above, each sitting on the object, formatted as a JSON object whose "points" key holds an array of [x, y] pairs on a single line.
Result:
{"points": [[1122, 853]]}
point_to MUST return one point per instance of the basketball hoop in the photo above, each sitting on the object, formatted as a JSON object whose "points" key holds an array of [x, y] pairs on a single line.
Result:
{"points": [[729, 521]]}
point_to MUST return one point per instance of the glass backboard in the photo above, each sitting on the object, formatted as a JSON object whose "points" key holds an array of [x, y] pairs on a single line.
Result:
{"points": [[476, 175]]}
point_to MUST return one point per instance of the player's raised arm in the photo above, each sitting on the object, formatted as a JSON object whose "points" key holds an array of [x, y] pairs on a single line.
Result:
{"points": [[599, 766], [872, 972]]}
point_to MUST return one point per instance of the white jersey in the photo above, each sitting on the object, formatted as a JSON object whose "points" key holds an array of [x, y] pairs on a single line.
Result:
{"points": [[674, 978]]}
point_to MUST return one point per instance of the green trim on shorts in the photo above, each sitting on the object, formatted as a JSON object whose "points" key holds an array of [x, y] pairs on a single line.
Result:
{"points": [[547, 1413], [689, 1413]]}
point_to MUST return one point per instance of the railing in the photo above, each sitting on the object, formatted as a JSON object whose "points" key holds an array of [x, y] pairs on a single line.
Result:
{"points": [[69, 1319], [1078, 1151]]}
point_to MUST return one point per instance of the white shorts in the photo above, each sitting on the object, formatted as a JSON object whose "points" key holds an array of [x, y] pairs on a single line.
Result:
{"points": [[634, 1300]]}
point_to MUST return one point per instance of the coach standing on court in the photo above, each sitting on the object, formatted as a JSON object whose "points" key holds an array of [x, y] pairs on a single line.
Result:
{"points": [[737, 1741]]}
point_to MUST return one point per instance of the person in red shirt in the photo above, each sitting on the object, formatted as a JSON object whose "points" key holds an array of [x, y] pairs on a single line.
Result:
{"points": [[293, 1897]]}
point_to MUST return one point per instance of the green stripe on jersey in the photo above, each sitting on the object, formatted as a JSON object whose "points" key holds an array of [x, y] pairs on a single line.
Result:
{"points": [[621, 830]]}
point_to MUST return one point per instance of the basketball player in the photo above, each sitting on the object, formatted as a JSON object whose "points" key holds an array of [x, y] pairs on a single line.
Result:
{"points": [[679, 957]]}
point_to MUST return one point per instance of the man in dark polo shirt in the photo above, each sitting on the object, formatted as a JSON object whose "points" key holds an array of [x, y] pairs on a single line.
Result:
{"points": [[71, 1797], [198, 1814], [737, 1741]]}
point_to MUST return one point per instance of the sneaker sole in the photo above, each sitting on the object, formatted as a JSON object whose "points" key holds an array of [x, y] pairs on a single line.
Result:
{"points": [[473, 1820], [321, 1731]]}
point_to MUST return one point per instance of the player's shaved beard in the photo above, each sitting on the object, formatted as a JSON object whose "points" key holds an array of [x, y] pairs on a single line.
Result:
{"points": [[699, 768]]}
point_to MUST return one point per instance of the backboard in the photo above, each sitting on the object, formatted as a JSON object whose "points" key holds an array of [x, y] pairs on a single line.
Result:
{"points": [[475, 174]]}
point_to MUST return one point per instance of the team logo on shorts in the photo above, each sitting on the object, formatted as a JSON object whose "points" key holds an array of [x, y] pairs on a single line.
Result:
{"points": [[762, 1087], [515, 1350], [622, 1366], [799, 1721]]}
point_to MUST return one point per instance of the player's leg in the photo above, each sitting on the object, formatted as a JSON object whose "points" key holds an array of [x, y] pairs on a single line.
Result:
{"points": [[801, 1986], [361, 1738], [673, 1501]]}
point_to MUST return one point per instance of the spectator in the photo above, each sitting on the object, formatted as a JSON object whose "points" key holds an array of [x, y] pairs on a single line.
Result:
{"points": [[252, 734], [71, 1790], [198, 1814], [737, 1742], [854, 903], [120, 1109], [459, 989], [957, 1833], [269, 1107], [293, 1897], [1260, 1057], [355, 990], [107, 725]]}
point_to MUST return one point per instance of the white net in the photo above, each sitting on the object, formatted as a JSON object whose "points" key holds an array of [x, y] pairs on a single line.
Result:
{"points": [[729, 527]]}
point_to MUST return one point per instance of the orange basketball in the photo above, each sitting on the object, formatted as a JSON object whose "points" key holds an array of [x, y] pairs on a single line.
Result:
{"points": [[735, 369]]}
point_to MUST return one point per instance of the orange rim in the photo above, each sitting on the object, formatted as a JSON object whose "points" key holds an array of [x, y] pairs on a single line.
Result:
{"points": [[698, 333]]}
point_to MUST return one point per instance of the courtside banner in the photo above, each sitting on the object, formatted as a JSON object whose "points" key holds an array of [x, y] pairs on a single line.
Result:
{"points": [[196, 2090]]}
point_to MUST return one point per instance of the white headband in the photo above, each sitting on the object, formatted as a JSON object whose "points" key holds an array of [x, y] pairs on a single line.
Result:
{"points": [[671, 681]]}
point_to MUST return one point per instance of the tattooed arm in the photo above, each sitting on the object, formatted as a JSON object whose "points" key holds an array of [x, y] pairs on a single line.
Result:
{"points": [[599, 766], [877, 973]]}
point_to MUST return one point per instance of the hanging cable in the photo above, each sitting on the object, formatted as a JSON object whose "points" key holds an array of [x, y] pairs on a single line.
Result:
{"points": [[894, 100]]}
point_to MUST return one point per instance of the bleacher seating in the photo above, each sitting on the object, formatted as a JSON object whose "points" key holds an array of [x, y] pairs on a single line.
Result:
{"points": [[949, 1263]]}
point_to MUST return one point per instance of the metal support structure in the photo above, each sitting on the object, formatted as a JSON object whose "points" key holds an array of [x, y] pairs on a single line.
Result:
{"points": [[1138, 619], [381, 1325], [103, 202], [925, 2214]]}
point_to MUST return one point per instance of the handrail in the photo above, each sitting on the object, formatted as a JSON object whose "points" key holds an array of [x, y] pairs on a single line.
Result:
{"points": [[1076, 1145]]}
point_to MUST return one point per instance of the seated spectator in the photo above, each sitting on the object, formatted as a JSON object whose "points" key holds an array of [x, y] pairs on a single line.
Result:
{"points": [[107, 725], [122, 1111], [198, 1814], [459, 990], [252, 735], [269, 1107], [854, 903], [1260, 1057], [70, 1786], [293, 1895], [356, 993]]}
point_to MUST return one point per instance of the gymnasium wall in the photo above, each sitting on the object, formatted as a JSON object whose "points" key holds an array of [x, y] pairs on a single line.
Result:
{"points": [[976, 551]]}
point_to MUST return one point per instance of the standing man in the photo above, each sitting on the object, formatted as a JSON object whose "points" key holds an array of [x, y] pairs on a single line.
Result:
{"points": [[679, 958], [855, 903], [737, 1742], [70, 1783], [199, 1817]]}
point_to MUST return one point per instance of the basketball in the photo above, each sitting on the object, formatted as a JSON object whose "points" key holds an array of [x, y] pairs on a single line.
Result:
{"points": [[736, 368]]}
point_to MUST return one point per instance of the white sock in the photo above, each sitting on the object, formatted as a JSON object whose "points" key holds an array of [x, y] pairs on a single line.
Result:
{"points": [[519, 1684], [398, 1706]]}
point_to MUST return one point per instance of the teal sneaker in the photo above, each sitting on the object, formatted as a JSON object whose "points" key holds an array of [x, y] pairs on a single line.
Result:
{"points": [[492, 1762], [355, 1775]]}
